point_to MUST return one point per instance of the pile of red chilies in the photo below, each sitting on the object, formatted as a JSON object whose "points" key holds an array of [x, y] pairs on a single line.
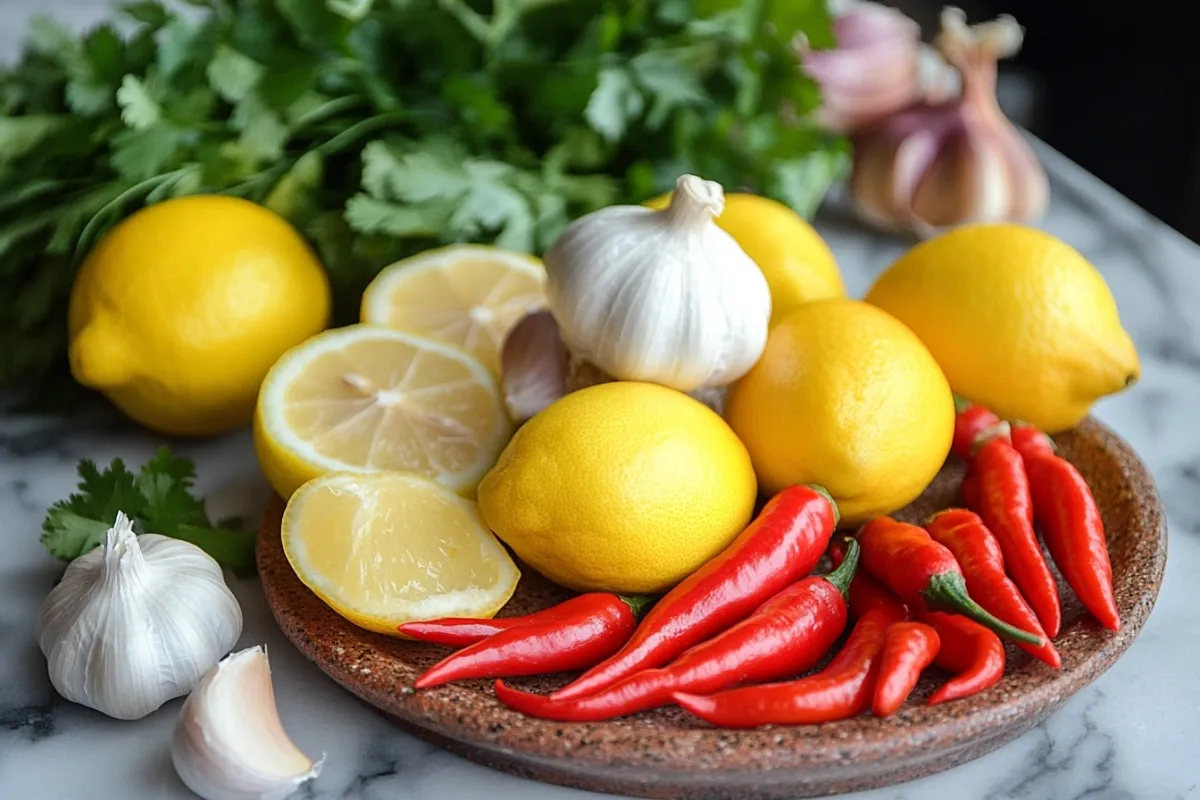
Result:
{"points": [[728, 642]]}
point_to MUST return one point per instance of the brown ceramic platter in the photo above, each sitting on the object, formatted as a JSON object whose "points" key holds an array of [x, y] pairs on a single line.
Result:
{"points": [[669, 754]]}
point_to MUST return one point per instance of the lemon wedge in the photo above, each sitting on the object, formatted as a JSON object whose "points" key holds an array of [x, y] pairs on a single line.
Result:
{"points": [[393, 547], [469, 296], [368, 399]]}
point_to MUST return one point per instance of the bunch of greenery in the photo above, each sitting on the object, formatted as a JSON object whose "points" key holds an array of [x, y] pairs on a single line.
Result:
{"points": [[382, 127]]}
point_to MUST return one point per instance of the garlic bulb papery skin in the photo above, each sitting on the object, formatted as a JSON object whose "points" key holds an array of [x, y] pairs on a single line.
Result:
{"points": [[136, 622], [933, 166], [660, 296], [878, 67], [229, 743]]}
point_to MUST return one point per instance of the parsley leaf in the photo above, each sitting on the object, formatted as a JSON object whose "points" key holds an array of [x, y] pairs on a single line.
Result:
{"points": [[158, 499]]}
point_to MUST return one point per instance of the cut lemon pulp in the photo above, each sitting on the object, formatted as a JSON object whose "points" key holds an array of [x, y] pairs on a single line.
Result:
{"points": [[469, 296], [369, 399], [393, 547]]}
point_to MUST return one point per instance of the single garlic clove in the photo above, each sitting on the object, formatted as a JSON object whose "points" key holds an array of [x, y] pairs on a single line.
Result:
{"points": [[533, 365], [229, 743]]}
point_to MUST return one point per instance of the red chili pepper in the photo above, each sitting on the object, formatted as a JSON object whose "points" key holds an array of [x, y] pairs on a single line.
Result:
{"points": [[1006, 507], [866, 593], [972, 652], [909, 648], [1071, 523], [970, 490], [584, 630], [787, 636], [780, 546], [969, 421], [843, 689], [963, 533], [462, 631], [924, 574]]}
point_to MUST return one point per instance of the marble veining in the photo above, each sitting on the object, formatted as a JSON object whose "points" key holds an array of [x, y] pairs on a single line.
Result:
{"points": [[1132, 735]]}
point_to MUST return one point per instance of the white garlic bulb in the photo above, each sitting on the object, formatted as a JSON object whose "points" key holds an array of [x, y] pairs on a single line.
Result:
{"points": [[229, 743], [136, 622], [661, 296]]}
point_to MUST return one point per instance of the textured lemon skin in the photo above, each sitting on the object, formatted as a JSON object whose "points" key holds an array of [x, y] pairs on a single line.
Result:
{"points": [[845, 397], [795, 260], [1019, 320], [178, 313], [624, 487]]}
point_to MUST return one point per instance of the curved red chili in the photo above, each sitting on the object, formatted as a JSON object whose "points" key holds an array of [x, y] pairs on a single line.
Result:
{"points": [[462, 631], [908, 649], [780, 546], [924, 574], [1066, 511], [972, 652], [866, 593], [1006, 506], [963, 533], [593, 627], [843, 689], [969, 421], [786, 636]]}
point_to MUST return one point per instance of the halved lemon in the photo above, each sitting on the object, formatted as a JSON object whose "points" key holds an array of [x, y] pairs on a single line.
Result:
{"points": [[368, 399], [392, 547], [469, 296]]}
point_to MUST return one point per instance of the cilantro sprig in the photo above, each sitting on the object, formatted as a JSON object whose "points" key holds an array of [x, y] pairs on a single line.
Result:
{"points": [[380, 128], [158, 499]]}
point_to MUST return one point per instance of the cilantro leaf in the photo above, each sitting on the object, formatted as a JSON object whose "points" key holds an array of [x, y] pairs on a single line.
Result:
{"points": [[158, 499], [138, 109]]}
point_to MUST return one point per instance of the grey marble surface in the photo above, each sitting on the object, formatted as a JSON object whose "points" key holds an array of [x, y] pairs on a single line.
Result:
{"points": [[1135, 733]]}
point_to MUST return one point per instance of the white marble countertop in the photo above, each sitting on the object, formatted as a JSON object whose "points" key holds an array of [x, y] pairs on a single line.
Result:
{"points": [[1133, 734]]}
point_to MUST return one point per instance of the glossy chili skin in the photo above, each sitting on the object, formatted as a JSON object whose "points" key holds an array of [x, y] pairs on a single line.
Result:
{"points": [[970, 420], [866, 593], [593, 626], [977, 552], [908, 649], [1006, 506], [972, 652], [1066, 511], [786, 636], [783, 544], [842, 689], [924, 574], [462, 631]]}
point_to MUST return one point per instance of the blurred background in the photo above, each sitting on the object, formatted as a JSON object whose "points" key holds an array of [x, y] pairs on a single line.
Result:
{"points": [[1119, 93]]}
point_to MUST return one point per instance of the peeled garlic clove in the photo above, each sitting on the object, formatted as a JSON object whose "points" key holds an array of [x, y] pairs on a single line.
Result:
{"points": [[533, 365], [136, 622], [932, 166], [229, 743]]}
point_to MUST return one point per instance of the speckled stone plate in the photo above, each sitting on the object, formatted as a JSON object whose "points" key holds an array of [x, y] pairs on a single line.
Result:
{"points": [[669, 754]]}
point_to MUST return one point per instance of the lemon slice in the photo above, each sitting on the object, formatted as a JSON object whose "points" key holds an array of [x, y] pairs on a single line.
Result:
{"points": [[393, 547], [369, 399], [469, 296]]}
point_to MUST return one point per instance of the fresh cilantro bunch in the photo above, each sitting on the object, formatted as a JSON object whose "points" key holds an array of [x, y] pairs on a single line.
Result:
{"points": [[158, 500], [383, 127]]}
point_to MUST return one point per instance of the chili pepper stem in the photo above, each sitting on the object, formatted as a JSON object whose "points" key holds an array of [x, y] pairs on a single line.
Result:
{"points": [[947, 591], [639, 603], [821, 490], [844, 574], [961, 404]]}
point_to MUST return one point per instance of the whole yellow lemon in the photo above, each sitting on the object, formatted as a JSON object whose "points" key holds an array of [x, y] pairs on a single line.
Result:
{"points": [[1019, 321], [798, 265], [846, 397], [178, 313], [624, 487]]}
